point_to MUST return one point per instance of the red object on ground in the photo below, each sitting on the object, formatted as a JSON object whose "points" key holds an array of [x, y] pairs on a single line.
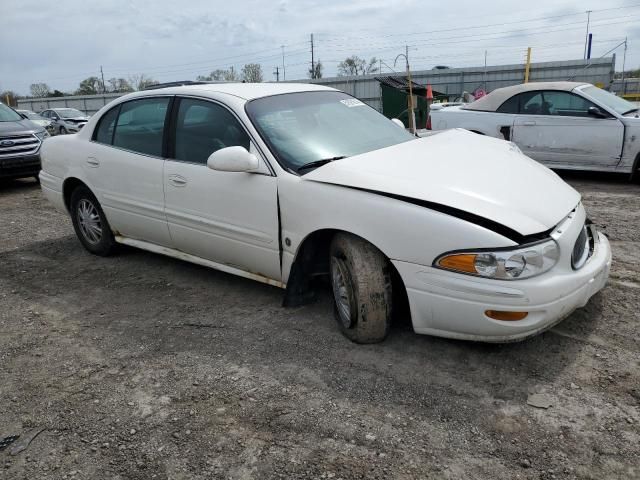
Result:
{"points": [[429, 122]]}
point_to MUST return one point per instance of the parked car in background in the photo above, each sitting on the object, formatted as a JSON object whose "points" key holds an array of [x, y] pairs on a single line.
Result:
{"points": [[38, 120], [283, 183], [565, 125], [66, 120], [20, 142]]}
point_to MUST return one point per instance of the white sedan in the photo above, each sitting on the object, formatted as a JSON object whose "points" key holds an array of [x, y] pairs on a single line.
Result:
{"points": [[283, 183], [566, 125]]}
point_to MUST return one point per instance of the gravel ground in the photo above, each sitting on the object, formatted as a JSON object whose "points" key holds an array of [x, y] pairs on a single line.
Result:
{"points": [[140, 366]]}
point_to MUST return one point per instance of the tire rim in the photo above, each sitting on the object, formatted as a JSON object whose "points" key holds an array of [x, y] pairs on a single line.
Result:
{"points": [[89, 221], [342, 291]]}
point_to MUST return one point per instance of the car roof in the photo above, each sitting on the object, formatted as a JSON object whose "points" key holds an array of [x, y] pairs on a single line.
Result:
{"points": [[492, 101], [247, 91]]}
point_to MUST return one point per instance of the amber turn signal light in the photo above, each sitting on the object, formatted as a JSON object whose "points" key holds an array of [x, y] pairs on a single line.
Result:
{"points": [[506, 316], [461, 263]]}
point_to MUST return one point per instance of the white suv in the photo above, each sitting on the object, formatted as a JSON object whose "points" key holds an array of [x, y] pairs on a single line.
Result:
{"points": [[283, 183]]}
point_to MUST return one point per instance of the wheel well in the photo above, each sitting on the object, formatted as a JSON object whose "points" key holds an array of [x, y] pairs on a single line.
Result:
{"points": [[311, 266], [635, 170], [69, 185]]}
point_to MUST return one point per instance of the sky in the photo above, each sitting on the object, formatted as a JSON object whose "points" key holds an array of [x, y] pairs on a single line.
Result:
{"points": [[62, 43]]}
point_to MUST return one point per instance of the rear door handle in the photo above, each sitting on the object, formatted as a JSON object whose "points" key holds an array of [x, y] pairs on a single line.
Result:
{"points": [[529, 123], [93, 162], [177, 180]]}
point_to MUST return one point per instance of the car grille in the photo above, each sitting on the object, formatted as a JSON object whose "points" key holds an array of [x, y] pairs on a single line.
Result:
{"points": [[18, 145], [583, 248]]}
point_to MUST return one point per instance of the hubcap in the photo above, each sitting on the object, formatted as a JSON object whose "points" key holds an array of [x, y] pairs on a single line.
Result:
{"points": [[342, 292], [89, 221]]}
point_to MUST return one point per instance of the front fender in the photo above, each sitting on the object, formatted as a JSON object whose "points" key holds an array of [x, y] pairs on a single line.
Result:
{"points": [[401, 230]]}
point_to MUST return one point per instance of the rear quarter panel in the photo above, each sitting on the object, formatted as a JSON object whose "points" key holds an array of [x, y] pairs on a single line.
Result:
{"points": [[486, 123]]}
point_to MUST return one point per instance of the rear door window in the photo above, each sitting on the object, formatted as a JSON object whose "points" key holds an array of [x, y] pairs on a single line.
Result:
{"points": [[140, 126], [106, 127]]}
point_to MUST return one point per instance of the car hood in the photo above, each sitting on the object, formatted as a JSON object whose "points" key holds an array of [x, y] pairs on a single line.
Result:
{"points": [[21, 126], [77, 119], [479, 175]]}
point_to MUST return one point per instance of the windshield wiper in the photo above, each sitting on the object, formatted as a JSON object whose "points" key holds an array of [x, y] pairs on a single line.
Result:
{"points": [[630, 111], [319, 163]]}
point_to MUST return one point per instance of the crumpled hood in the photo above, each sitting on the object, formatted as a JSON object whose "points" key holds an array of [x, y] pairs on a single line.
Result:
{"points": [[479, 175]]}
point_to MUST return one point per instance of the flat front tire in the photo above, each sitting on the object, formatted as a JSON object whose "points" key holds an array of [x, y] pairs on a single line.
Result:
{"points": [[361, 284], [90, 222]]}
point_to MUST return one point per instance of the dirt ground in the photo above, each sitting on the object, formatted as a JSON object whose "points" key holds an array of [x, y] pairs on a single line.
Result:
{"points": [[140, 367]]}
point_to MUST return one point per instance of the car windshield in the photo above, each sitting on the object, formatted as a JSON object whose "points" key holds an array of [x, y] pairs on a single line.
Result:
{"points": [[617, 104], [8, 115], [69, 112], [33, 116], [306, 127]]}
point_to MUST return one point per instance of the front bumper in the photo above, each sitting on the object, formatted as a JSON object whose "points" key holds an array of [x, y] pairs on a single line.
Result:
{"points": [[74, 127], [452, 305], [20, 166]]}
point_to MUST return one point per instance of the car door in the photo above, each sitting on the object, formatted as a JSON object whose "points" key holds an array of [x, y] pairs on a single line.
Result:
{"points": [[125, 167], [226, 217], [555, 127]]}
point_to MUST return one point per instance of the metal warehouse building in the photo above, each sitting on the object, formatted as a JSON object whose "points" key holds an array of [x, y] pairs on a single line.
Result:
{"points": [[451, 82]]}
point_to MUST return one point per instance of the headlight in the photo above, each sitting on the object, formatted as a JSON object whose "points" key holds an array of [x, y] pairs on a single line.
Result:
{"points": [[503, 264], [42, 135]]}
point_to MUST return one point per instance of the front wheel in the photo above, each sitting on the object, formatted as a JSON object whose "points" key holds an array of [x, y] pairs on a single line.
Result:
{"points": [[63, 131], [90, 223], [361, 283]]}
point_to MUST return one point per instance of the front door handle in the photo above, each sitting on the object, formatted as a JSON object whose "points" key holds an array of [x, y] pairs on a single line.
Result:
{"points": [[93, 162], [177, 180], [529, 123]]}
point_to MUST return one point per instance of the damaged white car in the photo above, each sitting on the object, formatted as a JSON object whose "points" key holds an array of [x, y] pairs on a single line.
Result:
{"points": [[284, 183]]}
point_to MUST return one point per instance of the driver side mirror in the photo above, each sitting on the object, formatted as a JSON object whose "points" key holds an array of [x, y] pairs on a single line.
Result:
{"points": [[233, 159], [398, 122], [596, 112]]}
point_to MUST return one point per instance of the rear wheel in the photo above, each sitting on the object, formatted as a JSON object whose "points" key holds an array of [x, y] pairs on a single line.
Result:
{"points": [[90, 223], [361, 284]]}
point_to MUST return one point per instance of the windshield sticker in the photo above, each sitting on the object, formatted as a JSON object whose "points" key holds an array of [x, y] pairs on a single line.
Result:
{"points": [[352, 102]]}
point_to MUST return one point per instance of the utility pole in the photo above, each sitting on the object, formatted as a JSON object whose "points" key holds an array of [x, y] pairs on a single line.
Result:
{"points": [[102, 75], [624, 61], [527, 66], [284, 72], [277, 73], [484, 76], [313, 70], [586, 37], [412, 128]]}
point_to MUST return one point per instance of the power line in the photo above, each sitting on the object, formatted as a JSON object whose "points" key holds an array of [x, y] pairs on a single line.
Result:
{"points": [[404, 34]]}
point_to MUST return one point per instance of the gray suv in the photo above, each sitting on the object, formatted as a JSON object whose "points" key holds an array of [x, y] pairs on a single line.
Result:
{"points": [[20, 141]]}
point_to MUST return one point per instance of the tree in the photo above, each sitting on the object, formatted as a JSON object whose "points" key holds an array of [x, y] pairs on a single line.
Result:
{"points": [[89, 86], [220, 75], [40, 90], [355, 65], [141, 81], [316, 70], [252, 73], [119, 85], [10, 97], [217, 76], [57, 93]]}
